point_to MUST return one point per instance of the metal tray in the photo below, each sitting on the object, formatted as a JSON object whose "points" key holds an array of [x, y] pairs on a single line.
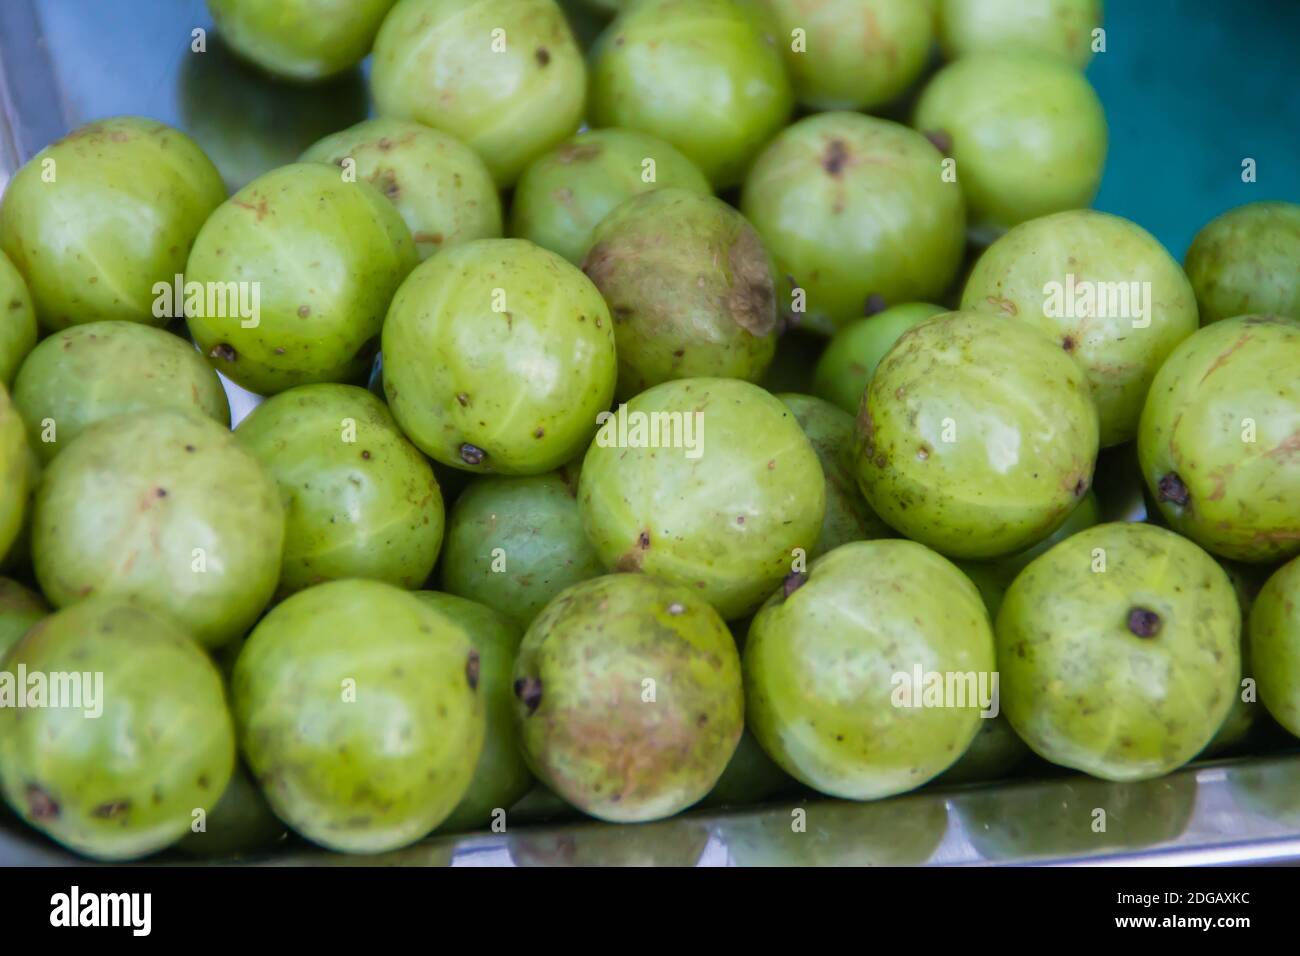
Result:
{"points": [[1183, 113]]}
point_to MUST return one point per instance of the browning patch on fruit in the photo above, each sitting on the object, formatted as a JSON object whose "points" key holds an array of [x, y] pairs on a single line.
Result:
{"points": [[577, 152], [543, 56], [1222, 359], [112, 809], [1171, 488], [1069, 344], [40, 805], [529, 692], [472, 454], [471, 670], [1005, 306], [1143, 622], [223, 352], [752, 299]]}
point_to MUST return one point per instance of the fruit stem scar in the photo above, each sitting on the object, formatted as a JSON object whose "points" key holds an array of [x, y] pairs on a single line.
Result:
{"points": [[529, 692], [471, 670], [472, 454], [1143, 622], [1171, 488]]}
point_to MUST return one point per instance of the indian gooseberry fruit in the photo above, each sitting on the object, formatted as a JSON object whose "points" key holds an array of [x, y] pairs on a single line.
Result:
{"points": [[20, 608], [18, 329], [854, 351], [976, 436], [1059, 28], [300, 40], [1247, 580], [1275, 645], [15, 472], [628, 697], [1244, 262]]}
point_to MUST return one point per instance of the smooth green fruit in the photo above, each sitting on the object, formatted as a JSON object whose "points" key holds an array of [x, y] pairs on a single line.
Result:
{"points": [[94, 221], [17, 321], [1059, 28], [994, 754], [1275, 645], [829, 665], [442, 189], [359, 500], [1119, 651], [690, 288], [1027, 131], [359, 712], [97, 371], [115, 773], [709, 483], [1105, 289], [751, 777], [976, 437], [856, 54], [19, 610], [167, 509], [1219, 439], [703, 75], [515, 543], [1244, 262], [302, 40], [563, 195], [498, 356], [240, 823], [628, 697], [18, 558], [505, 77], [857, 214], [830, 431], [1246, 581], [854, 351], [317, 259], [14, 472], [501, 776]]}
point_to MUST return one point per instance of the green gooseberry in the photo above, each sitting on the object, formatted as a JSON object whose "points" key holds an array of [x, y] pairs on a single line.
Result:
{"points": [[1275, 645], [359, 500], [1219, 436], [829, 667], [854, 54], [498, 356], [442, 189], [704, 75], [20, 608], [830, 431], [1119, 651], [709, 483], [1244, 262], [14, 472], [18, 558], [514, 543], [117, 773], [1247, 581], [165, 508], [302, 40], [1059, 28], [1026, 130], [90, 373], [95, 221], [751, 777], [505, 77], [306, 265], [17, 321], [995, 753], [1105, 289], [240, 823], [854, 351], [690, 288], [501, 777], [358, 709], [857, 214], [628, 697], [976, 437], [564, 194]]}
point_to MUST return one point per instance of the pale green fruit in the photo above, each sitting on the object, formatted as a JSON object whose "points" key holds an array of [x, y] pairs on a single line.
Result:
{"points": [[125, 782], [1105, 289], [976, 436], [240, 823], [167, 509], [857, 54], [359, 712], [751, 777], [704, 75], [1275, 645], [1026, 130], [563, 195], [324, 257], [15, 472], [1119, 651], [1244, 262], [709, 483], [19, 610], [857, 213], [628, 697], [854, 351], [96, 219], [442, 189], [505, 77], [17, 321], [830, 663], [302, 40], [360, 501], [1059, 28], [498, 356], [995, 752], [1219, 434], [1246, 581], [93, 372]]}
